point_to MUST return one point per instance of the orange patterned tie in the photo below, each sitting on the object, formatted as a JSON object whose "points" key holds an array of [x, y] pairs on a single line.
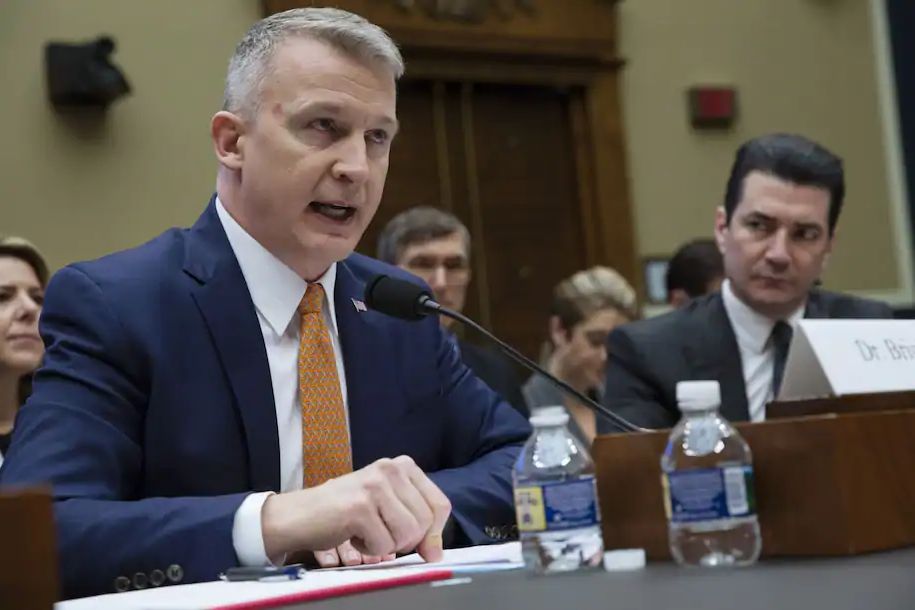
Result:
{"points": [[325, 439]]}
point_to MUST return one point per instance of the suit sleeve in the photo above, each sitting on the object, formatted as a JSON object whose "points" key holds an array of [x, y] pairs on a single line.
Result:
{"points": [[486, 435], [631, 390], [81, 431], [884, 312]]}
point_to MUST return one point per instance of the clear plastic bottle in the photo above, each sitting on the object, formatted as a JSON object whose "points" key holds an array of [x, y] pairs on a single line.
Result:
{"points": [[708, 484], [556, 498]]}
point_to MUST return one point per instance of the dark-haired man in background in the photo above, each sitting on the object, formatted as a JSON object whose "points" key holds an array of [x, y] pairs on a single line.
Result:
{"points": [[775, 232], [695, 269], [434, 245]]}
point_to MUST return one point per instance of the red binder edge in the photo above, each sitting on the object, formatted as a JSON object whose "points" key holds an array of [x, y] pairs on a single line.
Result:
{"points": [[341, 590]]}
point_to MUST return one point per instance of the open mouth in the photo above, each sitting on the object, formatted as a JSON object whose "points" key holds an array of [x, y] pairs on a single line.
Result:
{"points": [[339, 212]]}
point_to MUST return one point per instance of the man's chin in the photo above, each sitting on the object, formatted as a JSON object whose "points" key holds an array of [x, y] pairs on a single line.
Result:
{"points": [[775, 302], [334, 247]]}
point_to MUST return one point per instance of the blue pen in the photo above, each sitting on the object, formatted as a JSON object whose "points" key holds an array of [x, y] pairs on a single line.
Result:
{"points": [[293, 571]]}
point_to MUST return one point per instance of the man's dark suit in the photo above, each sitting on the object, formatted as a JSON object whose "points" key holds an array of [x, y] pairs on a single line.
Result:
{"points": [[496, 372], [646, 359], [153, 414]]}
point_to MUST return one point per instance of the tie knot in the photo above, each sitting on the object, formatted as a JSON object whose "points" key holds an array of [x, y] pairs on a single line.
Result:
{"points": [[781, 334], [313, 301]]}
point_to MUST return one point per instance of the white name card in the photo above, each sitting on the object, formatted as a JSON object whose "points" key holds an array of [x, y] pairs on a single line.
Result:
{"points": [[838, 357]]}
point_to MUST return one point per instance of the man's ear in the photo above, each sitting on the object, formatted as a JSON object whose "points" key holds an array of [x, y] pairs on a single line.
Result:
{"points": [[721, 227], [227, 131]]}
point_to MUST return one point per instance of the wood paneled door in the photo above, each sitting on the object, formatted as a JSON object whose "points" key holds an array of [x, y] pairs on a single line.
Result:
{"points": [[515, 128], [501, 158]]}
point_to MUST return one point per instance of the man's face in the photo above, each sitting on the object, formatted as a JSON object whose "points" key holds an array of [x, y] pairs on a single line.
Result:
{"points": [[777, 243], [444, 264], [312, 164]]}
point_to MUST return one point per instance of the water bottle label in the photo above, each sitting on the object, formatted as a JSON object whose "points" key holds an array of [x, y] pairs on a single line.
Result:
{"points": [[709, 493], [557, 506]]}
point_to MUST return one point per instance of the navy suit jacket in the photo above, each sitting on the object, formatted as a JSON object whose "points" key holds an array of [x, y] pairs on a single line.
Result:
{"points": [[153, 416]]}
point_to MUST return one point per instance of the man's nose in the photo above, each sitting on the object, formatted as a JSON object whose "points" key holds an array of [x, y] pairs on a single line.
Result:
{"points": [[438, 279], [778, 251], [352, 164]]}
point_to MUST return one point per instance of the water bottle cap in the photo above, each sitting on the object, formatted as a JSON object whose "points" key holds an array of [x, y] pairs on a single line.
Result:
{"points": [[698, 395], [549, 416]]}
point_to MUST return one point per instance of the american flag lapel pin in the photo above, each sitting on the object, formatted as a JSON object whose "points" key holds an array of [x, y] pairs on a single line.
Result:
{"points": [[359, 305]]}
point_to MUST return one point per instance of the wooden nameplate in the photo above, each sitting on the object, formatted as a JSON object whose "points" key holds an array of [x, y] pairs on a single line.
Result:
{"points": [[830, 484]]}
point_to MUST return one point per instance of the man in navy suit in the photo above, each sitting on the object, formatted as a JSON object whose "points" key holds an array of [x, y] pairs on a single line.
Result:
{"points": [[166, 414]]}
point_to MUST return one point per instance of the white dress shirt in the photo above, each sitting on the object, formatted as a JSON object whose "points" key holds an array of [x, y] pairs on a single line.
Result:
{"points": [[757, 354], [276, 291]]}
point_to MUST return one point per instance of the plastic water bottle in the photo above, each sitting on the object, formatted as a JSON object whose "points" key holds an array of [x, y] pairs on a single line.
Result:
{"points": [[556, 498], [708, 484]]}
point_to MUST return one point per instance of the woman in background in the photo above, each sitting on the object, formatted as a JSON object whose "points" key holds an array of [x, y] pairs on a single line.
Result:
{"points": [[23, 275], [586, 307]]}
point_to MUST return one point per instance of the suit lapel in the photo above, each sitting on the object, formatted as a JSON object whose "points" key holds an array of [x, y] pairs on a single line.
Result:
{"points": [[718, 357], [367, 363], [225, 303]]}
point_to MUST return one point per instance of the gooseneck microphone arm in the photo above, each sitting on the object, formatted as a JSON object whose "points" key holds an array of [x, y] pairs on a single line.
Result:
{"points": [[406, 300], [622, 424]]}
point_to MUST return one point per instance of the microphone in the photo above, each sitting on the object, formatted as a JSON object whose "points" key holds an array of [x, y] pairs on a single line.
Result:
{"points": [[409, 301]]}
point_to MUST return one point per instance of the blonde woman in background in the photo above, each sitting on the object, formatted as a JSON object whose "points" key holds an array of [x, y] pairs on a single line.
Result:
{"points": [[23, 275], [585, 308]]}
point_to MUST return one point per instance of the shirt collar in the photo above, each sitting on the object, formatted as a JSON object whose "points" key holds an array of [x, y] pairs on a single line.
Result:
{"points": [[276, 290], [751, 328]]}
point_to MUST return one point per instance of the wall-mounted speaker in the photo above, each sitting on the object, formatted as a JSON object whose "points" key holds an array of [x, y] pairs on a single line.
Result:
{"points": [[82, 75]]}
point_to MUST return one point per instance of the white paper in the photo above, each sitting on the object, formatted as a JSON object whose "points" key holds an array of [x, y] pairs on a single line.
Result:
{"points": [[474, 558], [202, 596], [841, 357], [804, 377]]}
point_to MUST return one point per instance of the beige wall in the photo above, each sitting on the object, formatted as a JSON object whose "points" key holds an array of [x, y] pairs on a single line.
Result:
{"points": [[82, 188], [808, 66]]}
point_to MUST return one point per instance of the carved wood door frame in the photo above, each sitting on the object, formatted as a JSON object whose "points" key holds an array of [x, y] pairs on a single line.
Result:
{"points": [[571, 43]]}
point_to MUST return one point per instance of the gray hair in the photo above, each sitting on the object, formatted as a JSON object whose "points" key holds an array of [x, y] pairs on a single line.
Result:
{"points": [[346, 32], [417, 226]]}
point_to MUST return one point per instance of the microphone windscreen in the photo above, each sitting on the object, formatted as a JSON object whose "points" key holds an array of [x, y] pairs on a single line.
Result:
{"points": [[397, 298]]}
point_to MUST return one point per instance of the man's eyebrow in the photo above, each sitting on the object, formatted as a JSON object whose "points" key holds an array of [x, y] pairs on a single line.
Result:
{"points": [[318, 106], [808, 225], [335, 109], [759, 215]]}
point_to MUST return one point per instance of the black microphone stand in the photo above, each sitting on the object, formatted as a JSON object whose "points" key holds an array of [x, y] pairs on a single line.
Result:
{"points": [[619, 422]]}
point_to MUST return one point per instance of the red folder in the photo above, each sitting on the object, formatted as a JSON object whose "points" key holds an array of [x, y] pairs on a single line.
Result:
{"points": [[341, 590]]}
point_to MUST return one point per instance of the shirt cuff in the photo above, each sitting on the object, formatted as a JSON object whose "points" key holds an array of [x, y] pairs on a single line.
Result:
{"points": [[247, 533]]}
